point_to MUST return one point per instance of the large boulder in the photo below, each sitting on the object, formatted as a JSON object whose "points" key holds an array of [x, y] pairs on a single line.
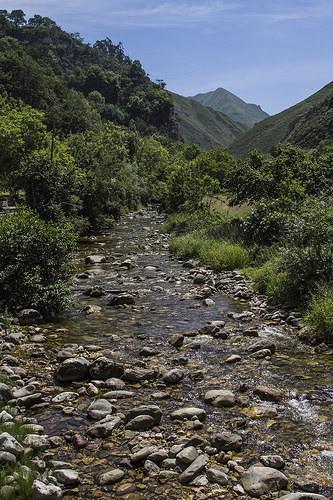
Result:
{"points": [[73, 369], [104, 368], [259, 481]]}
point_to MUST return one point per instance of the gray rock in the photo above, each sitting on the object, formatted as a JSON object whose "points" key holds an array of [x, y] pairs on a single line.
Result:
{"points": [[10, 444], [73, 369], [151, 410], [169, 463], [139, 374], [99, 409], [29, 317], [115, 384], [64, 397], [151, 468], [122, 300], [27, 390], [111, 477], [105, 427], [303, 496], [258, 481], [234, 358], [268, 393], [220, 398], [140, 423], [5, 416], [274, 461], [194, 469], [31, 400], [142, 454], [91, 310], [217, 476], [188, 413], [119, 394], [36, 442], [173, 376], [7, 458], [67, 477], [42, 491], [5, 392], [227, 441], [159, 455], [104, 368], [148, 352], [186, 456], [262, 344], [176, 340], [95, 259]]}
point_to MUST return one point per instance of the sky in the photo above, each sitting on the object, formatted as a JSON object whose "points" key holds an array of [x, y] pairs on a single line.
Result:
{"points": [[269, 52]]}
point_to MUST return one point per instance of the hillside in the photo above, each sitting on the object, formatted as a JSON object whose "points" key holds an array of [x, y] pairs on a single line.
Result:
{"points": [[204, 126], [305, 124], [232, 106]]}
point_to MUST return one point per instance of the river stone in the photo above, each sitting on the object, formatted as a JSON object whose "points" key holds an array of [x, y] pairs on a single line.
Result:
{"points": [[263, 353], [29, 317], [151, 410], [142, 454], [274, 461], [42, 491], [7, 458], [220, 398], [148, 352], [122, 300], [104, 368], [36, 442], [176, 340], [139, 374], [119, 394], [194, 469], [262, 344], [268, 393], [111, 477], [10, 444], [65, 396], [31, 400], [151, 468], [217, 476], [227, 441], [105, 427], [73, 369], [67, 477], [99, 409], [140, 423], [91, 309], [25, 391], [173, 376], [258, 481], [115, 384], [5, 392], [95, 259], [234, 358], [186, 456], [159, 455], [5, 416], [303, 496], [188, 413]]}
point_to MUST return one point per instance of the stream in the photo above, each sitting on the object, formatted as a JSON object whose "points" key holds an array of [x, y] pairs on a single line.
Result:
{"points": [[169, 299]]}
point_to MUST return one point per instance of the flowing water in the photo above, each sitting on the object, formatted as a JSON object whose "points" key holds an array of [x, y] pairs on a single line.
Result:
{"points": [[301, 430]]}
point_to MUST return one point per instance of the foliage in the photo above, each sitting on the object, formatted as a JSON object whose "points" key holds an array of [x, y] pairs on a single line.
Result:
{"points": [[34, 263], [320, 314]]}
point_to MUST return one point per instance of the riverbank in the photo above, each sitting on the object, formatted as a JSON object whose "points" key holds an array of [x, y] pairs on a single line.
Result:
{"points": [[169, 380]]}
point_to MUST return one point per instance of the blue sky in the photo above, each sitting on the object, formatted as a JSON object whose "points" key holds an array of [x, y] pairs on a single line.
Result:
{"points": [[270, 52]]}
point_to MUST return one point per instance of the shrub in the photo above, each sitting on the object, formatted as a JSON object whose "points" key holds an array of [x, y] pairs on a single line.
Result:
{"points": [[34, 263], [320, 314]]}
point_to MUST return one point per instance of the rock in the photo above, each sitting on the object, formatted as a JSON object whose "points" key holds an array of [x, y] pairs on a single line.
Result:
{"points": [[99, 409], [31, 400], [173, 376], [185, 457], [142, 454], [227, 441], [148, 352], [234, 358], [115, 384], [258, 481], [303, 496], [36, 442], [169, 463], [140, 423], [122, 300], [220, 398], [263, 353], [158, 456], [79, 441], [111, 477], [139, 374], [29, 317], [128, 264], [176, 340], [64, 397], [15, 338], [150, 410], [151, 468], [125, 490], [217, 476], [95, 259], [188, 413], [67, 477], [268, 393], [5, 392], [42, 491], [73, 369], [119, 394], [91, 309], [208, 302], [7, 458], [10, 444], [105, 427], [194, 469], [104, 368], [262, 344], [274, 461], [167, 475], [5, 416]]}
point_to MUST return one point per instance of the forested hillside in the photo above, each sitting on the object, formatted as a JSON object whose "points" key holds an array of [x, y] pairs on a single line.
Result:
{"points": [[306, 124]]}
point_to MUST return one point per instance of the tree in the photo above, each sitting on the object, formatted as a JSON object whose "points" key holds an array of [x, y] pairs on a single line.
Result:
{"points": [[17, 17]]}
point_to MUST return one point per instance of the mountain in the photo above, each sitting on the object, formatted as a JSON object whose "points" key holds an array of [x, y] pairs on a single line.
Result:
{"points": [[232, 106], [203, 126], [306, 124]]}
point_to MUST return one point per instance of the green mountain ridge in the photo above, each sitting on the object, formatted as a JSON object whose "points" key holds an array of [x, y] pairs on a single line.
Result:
{"points": [[306, 124], [231, 105], [197, 124]]}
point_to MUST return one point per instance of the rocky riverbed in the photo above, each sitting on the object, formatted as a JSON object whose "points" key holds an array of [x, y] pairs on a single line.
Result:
{"points": [[166, 380]]}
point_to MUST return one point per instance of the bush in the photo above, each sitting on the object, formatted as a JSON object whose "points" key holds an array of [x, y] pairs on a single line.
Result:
{"points": [[216, 254], [320, 314], [35, 263]]}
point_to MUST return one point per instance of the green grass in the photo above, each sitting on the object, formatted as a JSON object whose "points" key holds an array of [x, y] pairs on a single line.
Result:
{"points": [[320, 315], [178, 222], [219, 255]]}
